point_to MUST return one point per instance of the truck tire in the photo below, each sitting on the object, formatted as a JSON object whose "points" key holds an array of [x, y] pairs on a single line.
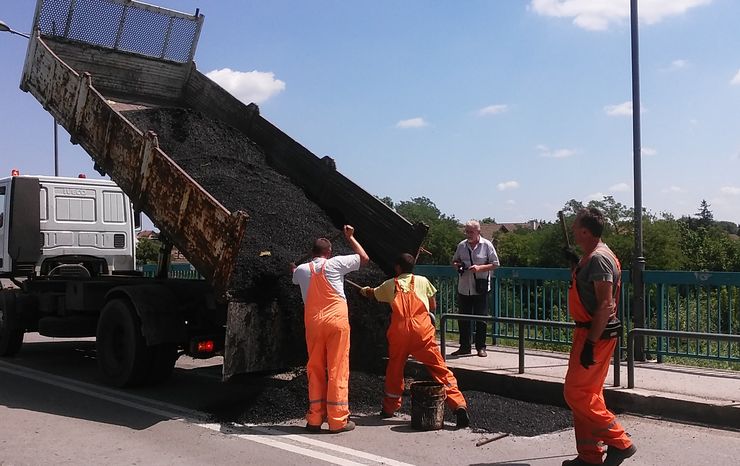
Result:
{"points": [[11, 330], [122, 354]]}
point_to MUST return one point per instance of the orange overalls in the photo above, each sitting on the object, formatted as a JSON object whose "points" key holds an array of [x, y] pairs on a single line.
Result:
{"points": [[327, 338], [584, 388], [411, 333]]}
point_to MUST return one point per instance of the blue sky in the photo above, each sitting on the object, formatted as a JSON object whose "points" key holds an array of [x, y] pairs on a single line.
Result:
{"points": [[503, 109]]}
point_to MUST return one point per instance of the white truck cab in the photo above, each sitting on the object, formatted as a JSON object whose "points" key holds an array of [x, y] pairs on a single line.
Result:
{"points": [[64, 226]]}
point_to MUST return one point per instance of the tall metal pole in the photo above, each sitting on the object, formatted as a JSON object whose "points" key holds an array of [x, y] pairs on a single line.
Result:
{"points": [[56, 149], [638, 265]]}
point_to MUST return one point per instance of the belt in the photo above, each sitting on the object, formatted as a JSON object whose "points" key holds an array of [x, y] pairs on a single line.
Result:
{"points": [[612, 330]]}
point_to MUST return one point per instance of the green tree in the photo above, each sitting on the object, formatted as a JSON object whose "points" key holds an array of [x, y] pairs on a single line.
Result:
{"points": [[705, 216], [444, 231], [147, 251]]}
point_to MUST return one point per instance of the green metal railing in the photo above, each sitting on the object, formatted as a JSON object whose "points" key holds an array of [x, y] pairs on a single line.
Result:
{"points": [[699, 302]]}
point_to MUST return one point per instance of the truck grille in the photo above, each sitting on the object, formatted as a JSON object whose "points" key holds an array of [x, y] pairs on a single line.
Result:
{"points": [[119, 241]]}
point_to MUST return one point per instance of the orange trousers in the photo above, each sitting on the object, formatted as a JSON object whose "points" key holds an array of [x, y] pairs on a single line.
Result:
{"points": [[584, 392], [411, 333], [426, 352], [327, 341]]}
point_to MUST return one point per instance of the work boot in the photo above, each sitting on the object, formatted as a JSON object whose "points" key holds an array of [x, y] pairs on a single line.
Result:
{"points": [[460, 352], [463, 420], [350, 425], [482, 353], [312, 428], [615, 456], [577, 461]]}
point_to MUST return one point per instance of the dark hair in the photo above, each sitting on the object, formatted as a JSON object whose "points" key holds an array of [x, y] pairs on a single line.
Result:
{"points": [[321, 246], [592, 220], [406, 263]]}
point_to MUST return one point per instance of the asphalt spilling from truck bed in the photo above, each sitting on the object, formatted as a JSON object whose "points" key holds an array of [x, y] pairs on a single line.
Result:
{"points": [[281, 228]]}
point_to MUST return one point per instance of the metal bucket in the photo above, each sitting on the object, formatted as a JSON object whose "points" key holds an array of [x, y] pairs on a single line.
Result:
{"points": [[427, 405]]}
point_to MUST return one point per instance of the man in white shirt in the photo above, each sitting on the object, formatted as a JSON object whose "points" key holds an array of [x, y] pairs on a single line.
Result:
{"points": [[327, 332]]}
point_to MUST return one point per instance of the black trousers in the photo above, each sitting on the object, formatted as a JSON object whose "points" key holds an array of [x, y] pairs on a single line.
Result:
{"points": [[476, 304]]}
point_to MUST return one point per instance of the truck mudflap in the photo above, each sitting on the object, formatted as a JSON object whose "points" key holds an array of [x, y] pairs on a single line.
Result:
{"points": [[202, 229], [157, 307]]}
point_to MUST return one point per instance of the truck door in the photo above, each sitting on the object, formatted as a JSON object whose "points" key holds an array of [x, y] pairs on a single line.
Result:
{"points": [[4, 263]]}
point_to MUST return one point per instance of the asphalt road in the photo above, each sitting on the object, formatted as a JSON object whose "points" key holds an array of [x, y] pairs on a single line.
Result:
{"points": [[53, 411]]}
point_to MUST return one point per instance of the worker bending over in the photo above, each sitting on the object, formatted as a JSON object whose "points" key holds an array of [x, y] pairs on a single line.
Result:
{"points": [[327, 331], [411, 332], [592, 303]]}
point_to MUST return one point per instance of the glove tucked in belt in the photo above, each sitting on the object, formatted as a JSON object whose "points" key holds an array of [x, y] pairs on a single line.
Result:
{"points": [[612, 330]]}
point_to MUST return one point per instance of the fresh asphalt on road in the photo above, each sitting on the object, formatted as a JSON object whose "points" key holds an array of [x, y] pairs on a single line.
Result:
{"points": [[53, 410]]}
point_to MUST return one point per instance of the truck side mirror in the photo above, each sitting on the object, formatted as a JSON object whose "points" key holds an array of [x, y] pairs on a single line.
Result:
{"points": [[137, 220]]}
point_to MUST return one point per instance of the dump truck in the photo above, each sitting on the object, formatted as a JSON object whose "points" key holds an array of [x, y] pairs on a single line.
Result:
{"points": [[89, 62]]}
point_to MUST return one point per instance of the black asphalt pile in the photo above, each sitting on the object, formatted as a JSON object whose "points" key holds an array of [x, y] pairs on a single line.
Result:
{"points": [[285, 399], [281, 228]]}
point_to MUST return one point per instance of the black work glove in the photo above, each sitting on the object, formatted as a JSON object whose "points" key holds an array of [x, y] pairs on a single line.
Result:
{"points": [[587, 354], [570, 255]]}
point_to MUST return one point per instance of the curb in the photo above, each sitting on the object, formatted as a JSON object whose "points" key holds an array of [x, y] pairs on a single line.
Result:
{"points": [[722, 414]]}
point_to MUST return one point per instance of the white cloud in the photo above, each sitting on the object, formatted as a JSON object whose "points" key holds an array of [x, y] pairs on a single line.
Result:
{"points": [[736, 79], [595, 196], [672, 189], [555, 153], [493, 110], [248, 86], [417, 122], [511, 202], [619, 188], [598, 15], [623, 109], [731, 190], [649, 151], [506, 185], [678, 64]]}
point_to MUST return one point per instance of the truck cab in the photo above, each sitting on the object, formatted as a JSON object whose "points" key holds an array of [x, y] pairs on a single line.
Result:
{"points": [[52, 226]]}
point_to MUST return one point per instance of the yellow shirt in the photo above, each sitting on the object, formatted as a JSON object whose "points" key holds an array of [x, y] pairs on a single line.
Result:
{"points": [[423, 288]]}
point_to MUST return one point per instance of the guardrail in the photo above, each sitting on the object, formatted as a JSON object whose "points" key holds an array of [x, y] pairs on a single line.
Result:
{"points": [[687, 301], [666, 333], [521, 323]]}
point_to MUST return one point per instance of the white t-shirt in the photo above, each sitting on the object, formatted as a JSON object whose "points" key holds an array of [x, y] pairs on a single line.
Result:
{"points": [[336, 268]]}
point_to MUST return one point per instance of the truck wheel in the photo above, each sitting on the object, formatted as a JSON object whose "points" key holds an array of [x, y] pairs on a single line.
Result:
{"points": [[11, 330], [163, 358], [123, 357]]}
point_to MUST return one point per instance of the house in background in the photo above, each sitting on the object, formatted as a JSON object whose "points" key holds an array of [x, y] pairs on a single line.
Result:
{"points": [[488, 230], [175, 255]]}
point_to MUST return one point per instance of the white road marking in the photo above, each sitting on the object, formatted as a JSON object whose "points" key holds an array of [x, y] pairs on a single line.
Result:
{"points": [[271, 437]]}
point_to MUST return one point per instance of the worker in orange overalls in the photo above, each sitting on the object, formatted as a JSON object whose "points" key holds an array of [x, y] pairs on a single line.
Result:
{"points": [[592, 303], [411, 332], [327, 332]]}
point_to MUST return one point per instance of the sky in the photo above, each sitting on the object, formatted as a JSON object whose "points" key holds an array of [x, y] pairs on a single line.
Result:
{"points": [[504, 109]]}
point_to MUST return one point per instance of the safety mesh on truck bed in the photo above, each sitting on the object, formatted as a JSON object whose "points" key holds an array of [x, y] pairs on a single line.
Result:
{"points": [[122, 25]]}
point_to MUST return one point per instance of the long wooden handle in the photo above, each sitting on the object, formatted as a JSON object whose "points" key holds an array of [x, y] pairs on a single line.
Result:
{"points": [[353, 283], [561, 216]]}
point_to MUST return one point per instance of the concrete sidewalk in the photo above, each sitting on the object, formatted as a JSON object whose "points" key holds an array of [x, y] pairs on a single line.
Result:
{"points": [[707, 396]]}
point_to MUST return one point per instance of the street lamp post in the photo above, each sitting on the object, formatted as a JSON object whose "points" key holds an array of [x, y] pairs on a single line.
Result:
{"points": [[5, 28], [638, 264]]}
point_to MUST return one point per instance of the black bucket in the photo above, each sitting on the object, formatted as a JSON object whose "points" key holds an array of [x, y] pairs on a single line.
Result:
{"points": [[427, 405]]}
